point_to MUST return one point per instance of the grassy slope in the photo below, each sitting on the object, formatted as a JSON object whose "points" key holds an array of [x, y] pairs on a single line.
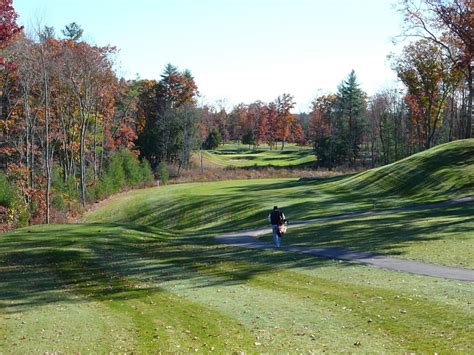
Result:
{"points": [[129, 288], [149, 276], [446, 172], [241, 156]]}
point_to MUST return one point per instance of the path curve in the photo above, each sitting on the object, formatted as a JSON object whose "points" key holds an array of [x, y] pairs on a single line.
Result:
{"points": [[248, 239]]}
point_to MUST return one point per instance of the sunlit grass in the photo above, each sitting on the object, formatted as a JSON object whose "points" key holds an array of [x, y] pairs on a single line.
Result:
{"points": [[144, 273], [123, 288], [232, 155], [440, 236]]}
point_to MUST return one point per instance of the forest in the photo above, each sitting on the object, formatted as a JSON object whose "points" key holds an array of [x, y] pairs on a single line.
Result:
{"points": [[74, 132]]}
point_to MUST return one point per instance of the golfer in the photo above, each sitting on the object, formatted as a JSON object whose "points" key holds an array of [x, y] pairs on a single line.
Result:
{"points": [[276, 218]]}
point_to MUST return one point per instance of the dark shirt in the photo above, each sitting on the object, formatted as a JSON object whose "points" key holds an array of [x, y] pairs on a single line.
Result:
{"points": [[276, 217]]}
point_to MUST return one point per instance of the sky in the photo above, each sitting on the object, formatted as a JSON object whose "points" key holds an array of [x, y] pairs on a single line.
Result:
{"points": [[238, 50]]}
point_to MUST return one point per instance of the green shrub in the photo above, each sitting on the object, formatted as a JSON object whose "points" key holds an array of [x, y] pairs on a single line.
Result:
{"points": [[213, 140], [10, 197], [7, 191], [100, 189], [114, 174], [249, 138], [131, 167], [122, 168], [58, 202], [163, 172], [91, 193], [68, 188], [146, 172]]}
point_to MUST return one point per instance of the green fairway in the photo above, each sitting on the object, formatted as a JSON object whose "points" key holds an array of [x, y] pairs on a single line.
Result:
{"points": [[232, 155], [441, 236], [143, 272], [129, 288], [444, 173]]}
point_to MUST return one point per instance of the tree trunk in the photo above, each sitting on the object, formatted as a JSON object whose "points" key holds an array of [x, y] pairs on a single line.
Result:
{"points": [[29, 141], [200, 151], [470, 120], [48, 161], [95, 147], [46, 120], [82, 161]]}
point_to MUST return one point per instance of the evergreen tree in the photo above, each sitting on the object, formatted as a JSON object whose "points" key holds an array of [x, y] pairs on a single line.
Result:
{"points": [[171, 124], [213, 140], [249, 138], [352, 107], [72, 31]]}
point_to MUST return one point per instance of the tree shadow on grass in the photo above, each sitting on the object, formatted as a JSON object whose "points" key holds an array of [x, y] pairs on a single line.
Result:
{"points": [[244, 207], [77, 263], [387, 235]]}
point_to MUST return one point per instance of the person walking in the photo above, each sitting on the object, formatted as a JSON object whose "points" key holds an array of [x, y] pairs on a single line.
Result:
{"points": [[276, 218]]}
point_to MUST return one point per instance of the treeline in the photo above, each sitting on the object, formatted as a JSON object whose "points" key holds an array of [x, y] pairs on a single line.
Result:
{"points": [[67, 135], [72, 132], [435, 106], [349, 127], [256, 123]]}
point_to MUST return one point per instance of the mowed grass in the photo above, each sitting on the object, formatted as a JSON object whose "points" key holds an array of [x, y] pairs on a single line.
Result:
{"points": [[123, 288], [443, 173], [143, 273], [241, 156], [441, 236]]}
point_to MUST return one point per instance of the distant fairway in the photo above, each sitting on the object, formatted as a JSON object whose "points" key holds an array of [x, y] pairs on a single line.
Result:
{"points": [[143, 273], [243, 157], [444, 172]]}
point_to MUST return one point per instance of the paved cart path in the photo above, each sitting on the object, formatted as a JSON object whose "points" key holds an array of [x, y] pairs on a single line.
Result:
{"points": [[249, 239]]}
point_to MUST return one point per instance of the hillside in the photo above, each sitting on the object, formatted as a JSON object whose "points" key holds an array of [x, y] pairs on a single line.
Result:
{"points": [[445, 171], [143, 273]]}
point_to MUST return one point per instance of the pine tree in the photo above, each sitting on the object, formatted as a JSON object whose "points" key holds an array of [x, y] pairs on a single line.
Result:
{"points": [[352, 107]]}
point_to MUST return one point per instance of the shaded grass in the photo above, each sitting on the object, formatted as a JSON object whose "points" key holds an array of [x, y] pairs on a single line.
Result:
{"points": [[440, 236], [137, 288], [442, 173], [445, 170], [147, 276]]}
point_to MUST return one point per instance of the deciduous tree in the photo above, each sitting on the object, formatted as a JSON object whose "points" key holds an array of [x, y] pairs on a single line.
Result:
{"points": [[449, 24], [430, 77]]}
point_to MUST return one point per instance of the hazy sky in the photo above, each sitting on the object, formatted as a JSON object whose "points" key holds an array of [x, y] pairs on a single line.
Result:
{"points": [[238, 50]]}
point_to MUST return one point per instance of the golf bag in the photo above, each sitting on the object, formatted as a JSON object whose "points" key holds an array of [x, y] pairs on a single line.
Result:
{"points": [[283, 227]]}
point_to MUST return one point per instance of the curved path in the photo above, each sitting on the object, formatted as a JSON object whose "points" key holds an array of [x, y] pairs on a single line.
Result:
{"points": [[248, 239]]}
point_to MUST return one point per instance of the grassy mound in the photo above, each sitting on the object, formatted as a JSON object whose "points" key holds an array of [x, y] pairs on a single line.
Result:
{"points": [[445, 171]]}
